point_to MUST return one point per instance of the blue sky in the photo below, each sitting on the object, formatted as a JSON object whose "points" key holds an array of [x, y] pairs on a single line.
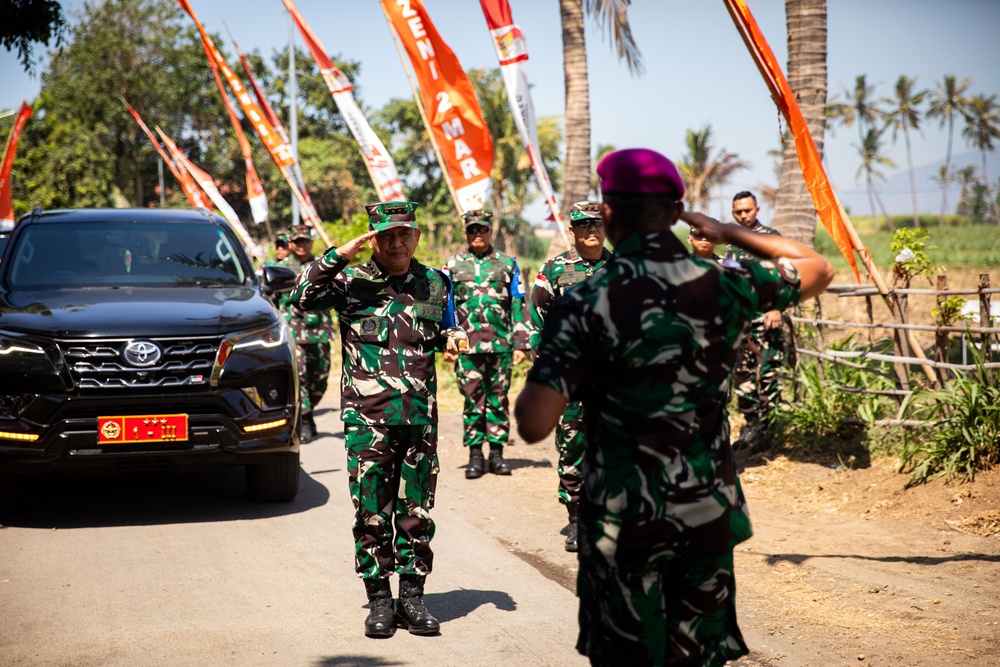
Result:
{"points": [[697, 71]]}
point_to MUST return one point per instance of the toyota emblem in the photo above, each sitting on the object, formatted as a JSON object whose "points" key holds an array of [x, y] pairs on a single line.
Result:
{"points": [[142, 353]]}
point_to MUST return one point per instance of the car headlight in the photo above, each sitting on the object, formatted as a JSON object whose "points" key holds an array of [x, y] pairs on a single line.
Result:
{"points": [[249, 341]]}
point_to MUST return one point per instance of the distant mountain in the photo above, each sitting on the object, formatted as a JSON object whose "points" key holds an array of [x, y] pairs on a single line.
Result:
{"points": [[895, 190]]}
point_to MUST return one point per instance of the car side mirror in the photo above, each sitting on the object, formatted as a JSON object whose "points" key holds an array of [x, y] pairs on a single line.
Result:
{"points": [[278, 279]]}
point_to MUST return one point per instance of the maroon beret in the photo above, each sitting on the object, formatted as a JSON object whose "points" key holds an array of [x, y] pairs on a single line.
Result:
{"points": [[639, 171]]}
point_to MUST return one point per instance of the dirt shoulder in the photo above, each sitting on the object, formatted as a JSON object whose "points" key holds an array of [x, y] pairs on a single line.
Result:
{"points": [[846, 566]]}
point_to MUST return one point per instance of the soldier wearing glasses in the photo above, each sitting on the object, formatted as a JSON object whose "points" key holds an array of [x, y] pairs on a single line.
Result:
{"points": [[555, 277], [489, 305]]}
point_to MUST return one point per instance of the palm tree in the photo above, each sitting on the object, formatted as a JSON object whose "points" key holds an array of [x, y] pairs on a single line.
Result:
{"points": [[794, 212], [872, 158], [595, 180], [906, 116], [860, 109], [612, 14], [945, 102], [701, 171], [965, 176], [982, 126]]}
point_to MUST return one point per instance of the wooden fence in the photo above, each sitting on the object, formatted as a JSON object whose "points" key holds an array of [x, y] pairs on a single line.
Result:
{"points": [[937, 367]]}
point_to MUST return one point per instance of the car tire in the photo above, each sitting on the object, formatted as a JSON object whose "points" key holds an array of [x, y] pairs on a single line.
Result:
{"points": [[276, 480], [8, 493]]}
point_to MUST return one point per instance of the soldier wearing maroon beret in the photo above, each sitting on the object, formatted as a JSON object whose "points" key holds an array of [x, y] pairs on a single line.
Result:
{"points": [[647, 344]]}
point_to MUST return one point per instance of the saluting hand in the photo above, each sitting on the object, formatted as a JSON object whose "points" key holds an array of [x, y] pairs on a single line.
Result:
{"points": [[348, 251], [519, 356]]}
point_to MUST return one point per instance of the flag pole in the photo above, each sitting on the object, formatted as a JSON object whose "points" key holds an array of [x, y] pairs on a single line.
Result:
{"points": [[423, 113]]}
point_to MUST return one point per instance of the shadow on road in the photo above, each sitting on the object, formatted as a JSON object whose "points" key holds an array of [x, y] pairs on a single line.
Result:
{"points": [[463, 601], [150, 498], [355, 661]]}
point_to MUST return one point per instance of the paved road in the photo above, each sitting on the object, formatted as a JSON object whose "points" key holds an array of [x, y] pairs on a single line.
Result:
{"points": [[183, 570]]}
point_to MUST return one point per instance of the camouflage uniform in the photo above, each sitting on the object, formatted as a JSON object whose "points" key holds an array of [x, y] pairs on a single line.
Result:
{"points": [[390, 328], [647, 344], [489, 305], [556, 276], [758, 372], [313, 334]]}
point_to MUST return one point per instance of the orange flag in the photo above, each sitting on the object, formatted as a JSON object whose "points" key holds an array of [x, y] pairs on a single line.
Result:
{"points": [[827, 207], [6, 201], [278, 149], [452, 111]]}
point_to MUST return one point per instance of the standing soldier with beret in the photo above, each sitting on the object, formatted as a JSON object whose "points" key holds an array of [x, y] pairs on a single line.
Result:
{"points": [[648, 344], [489, 304], [556, 276], [394, 314], [757, 376], [313, 333]]}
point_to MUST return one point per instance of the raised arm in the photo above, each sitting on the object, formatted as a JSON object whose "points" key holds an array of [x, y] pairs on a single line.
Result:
{"points": [[815, 271]]}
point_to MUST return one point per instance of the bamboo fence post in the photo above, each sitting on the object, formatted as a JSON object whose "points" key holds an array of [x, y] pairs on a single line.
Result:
{"points": [[984, 314], [871, 320], [942, 339]]}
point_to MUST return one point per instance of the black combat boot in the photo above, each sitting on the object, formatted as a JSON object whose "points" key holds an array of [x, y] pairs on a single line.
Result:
{"points": [[410, 610], [477, 465], [571, 529], [497, 465], [308, 428], [381, 621]]}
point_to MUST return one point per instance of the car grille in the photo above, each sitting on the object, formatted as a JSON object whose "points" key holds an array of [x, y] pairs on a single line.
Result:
{"points": [[100, 364]]}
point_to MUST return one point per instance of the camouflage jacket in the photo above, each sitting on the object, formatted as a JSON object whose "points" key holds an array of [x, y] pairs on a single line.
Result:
{"points": [[555, 277], [390, 328], [312, 327], [756, 329], [489, 300], [733, 252], [648, 344]]}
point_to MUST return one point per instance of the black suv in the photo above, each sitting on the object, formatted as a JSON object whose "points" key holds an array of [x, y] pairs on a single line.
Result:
{"points": [[141, 340]]}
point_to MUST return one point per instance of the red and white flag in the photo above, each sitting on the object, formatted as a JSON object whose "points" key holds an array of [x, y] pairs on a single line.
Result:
{"points": [[6, 200], [452, 111], [381, 168], [512, 51], [207, 184]]}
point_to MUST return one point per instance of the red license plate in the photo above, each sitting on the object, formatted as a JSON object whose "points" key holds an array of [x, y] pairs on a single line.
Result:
{"points": [[141, 428]]}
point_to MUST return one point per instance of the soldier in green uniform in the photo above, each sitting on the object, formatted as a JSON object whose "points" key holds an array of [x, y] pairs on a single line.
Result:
{"points": [[394, 314], [757, 376], [280, 258], [313, 334], [556, 276], [489, 304], [648, 344]]}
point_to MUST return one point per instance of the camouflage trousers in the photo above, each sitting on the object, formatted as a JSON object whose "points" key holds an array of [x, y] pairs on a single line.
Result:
{"points": [[683, 614], [314, 373], [392, 475], [569, 444], [758, 373], [484, 380]]}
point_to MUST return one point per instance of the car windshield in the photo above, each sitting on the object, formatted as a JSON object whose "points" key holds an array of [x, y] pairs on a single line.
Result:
{"points": [[125, 253]]}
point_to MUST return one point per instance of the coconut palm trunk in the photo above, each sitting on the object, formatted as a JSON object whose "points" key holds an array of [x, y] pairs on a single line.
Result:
{"points": [[577, 173], [794, 214]]}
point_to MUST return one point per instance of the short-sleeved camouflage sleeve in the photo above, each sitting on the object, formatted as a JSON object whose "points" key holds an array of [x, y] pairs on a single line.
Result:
{"points": [[563, 347], [776, 283]]}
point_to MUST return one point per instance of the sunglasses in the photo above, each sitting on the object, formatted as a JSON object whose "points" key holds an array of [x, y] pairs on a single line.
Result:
{"points": [[477, 229], [587, 224]]}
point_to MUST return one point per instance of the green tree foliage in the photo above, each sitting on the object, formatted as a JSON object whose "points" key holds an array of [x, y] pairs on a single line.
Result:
{"points": [[23, 23], [702, 170]]}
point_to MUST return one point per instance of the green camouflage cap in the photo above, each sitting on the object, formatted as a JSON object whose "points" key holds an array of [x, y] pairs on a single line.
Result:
{"points": [[389, 214], [585, 210], [477, 216], [300, 232], [281, 240]]}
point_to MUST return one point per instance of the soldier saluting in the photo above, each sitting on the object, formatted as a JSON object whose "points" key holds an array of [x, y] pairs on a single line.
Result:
{"points": [[394, 314]]}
